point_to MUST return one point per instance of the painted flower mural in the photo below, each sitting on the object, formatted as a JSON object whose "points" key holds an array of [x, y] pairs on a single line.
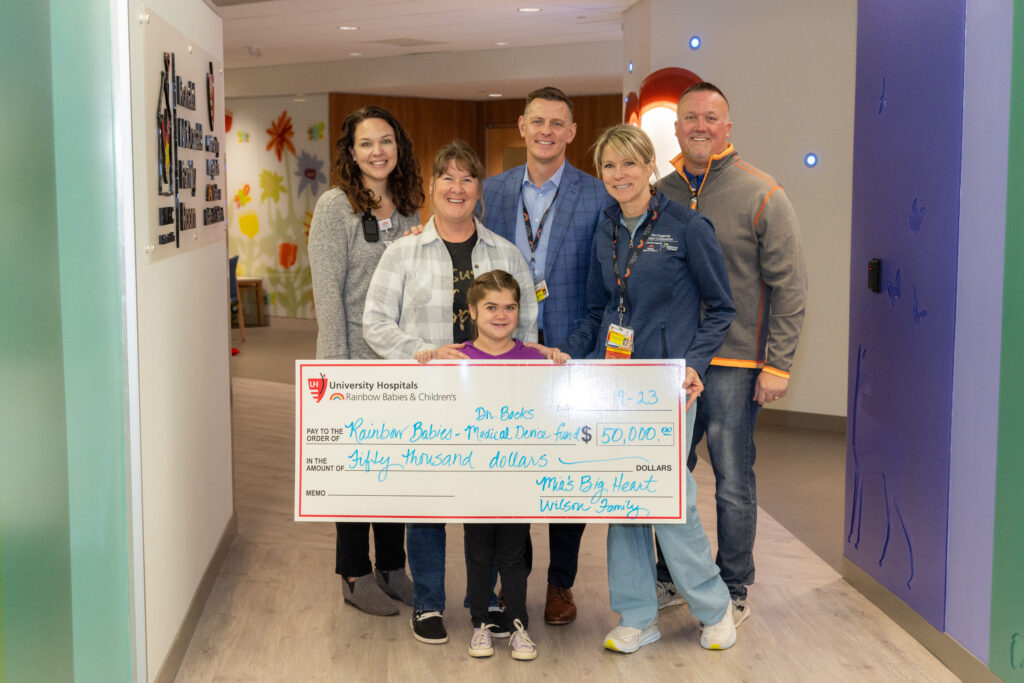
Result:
{"points": [[242, 197], [309, 173], [281, 134], [271, 186], [270, 235], [286, 254]]}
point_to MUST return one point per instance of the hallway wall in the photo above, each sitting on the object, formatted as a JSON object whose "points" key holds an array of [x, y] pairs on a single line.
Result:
{"points": [[787, 69]]}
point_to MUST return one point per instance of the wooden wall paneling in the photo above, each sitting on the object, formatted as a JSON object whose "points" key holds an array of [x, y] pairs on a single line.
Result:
{"points": [[592, 113], [429, 122], [434, 122]]}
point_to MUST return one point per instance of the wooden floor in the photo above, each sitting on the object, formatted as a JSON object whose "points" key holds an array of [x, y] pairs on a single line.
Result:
{"points": [[276, 612]]}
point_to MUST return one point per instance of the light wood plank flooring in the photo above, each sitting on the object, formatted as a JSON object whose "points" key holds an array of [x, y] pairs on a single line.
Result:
{"points": [[276, 612]]}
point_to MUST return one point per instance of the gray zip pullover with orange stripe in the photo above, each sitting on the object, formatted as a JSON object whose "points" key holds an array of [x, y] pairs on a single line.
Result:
{"points": [[760, 237]]}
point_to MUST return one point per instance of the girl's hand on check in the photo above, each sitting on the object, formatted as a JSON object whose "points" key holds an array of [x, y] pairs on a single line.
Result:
{"points": [[425, 356], [554, 355], [557, 356], [692, 386]]}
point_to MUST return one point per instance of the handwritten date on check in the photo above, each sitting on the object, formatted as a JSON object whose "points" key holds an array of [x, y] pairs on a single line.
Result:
{"points": [[491, 441]]}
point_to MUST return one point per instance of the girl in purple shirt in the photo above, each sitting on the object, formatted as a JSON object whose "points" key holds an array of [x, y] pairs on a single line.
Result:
{"points": [[493, 302]]}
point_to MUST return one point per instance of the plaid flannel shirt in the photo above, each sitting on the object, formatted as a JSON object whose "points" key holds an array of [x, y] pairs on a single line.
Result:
{"points": [[409, 302]]}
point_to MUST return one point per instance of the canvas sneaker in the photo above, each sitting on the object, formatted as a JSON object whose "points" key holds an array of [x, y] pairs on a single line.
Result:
{"points": [[720, 636], [428, 627], [498, 622], [626, 639], [480, 645], [520, 644]]}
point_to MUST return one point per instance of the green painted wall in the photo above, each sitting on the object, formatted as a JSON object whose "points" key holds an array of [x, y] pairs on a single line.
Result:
{"points": [[94, 354], [1006, 653], [35, 564]]}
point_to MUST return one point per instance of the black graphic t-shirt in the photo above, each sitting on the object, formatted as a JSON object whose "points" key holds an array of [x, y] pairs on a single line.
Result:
{"points": [[462, 277]]}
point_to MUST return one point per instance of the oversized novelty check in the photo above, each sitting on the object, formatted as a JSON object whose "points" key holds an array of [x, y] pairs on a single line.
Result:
{"points": [[490, 441]]}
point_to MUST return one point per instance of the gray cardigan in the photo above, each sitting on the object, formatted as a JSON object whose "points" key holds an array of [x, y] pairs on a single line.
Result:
{"points": [[342, 263]]}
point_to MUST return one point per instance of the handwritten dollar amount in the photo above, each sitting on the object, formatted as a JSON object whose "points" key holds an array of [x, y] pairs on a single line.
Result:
{"points": [[629, 434]]}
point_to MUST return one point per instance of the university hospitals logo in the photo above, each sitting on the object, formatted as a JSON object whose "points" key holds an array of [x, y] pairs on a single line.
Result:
{"points": [[318, 386]]}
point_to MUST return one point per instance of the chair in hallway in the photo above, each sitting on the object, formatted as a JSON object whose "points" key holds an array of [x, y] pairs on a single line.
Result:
{"points": [[236, 303]]}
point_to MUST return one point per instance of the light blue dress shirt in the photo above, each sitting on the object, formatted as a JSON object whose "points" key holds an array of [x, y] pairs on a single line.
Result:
{"points": [[537, 199]]}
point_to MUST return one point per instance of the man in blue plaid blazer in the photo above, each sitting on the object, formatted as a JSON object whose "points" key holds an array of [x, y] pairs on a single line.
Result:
{"points": [[549, 209]]}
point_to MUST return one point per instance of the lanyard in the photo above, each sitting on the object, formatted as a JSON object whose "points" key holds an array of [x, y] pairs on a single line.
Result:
{"points": [[695, 191], [532, 239], [622, 280]]}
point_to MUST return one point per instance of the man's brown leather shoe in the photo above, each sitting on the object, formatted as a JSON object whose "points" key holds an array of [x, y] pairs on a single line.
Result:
{"points": [[559, 607]]}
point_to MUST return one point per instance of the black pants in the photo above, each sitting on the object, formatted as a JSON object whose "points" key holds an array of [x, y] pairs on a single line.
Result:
{"points": [[564, 545], [352, 552], [504, 545]]}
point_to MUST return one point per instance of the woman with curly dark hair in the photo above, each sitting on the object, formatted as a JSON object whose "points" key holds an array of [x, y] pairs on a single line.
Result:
{"points": [[377, 199]]}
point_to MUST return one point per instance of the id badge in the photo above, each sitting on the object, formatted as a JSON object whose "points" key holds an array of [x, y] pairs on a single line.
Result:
{"points": [[388, 233], [619, 343], [541, 289]]}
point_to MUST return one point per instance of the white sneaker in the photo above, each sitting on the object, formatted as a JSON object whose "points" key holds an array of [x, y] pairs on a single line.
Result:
{"points": [[626, 639], [740, 610], [480, 645], [667, 595], [720, 636], [520, 644]]}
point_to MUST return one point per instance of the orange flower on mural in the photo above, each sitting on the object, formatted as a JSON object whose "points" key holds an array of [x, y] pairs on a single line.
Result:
{"points": [[281, 134], [286, 254]]}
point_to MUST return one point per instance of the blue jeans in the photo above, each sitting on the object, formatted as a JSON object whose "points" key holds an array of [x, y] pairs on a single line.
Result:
{"points": [[727, 413], [631, 572], [425, 547]]}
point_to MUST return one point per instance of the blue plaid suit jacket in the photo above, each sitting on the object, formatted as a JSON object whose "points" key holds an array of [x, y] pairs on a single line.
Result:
{"points": [[577, 211]]}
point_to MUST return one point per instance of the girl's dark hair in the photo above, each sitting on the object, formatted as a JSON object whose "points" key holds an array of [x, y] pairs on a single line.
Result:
{"points": [[404, 183], [492, 281]]}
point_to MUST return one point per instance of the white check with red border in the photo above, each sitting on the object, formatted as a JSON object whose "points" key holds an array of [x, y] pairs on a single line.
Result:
{"points": [[490, 441]]}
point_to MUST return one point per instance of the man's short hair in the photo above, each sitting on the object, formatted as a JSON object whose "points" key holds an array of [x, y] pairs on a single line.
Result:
{"points": [[704, 86], [550, 93]]}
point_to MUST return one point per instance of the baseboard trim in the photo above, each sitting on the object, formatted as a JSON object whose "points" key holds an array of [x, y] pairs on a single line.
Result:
{"points": [[955, 656], [793, 419], [176, 654]]}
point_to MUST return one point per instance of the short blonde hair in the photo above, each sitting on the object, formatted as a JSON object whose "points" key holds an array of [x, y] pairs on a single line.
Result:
{"points": [[628, 141]]}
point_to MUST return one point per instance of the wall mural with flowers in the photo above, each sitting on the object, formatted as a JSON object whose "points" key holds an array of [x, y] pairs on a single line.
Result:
{"points": [[278, 165]]}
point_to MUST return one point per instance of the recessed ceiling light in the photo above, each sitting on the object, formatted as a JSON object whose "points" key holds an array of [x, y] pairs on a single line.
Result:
{"points": [[695, 42], [526, 10], [501, 43], [494, 94], [348, 28], [355, 54]]}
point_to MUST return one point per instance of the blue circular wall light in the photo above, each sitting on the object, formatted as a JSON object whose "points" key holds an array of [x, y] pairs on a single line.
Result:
{"points": [[630, 67], [694, 42], [811, 160]]}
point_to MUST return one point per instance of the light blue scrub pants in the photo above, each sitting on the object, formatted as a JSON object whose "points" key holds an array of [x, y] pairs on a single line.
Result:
{"points": [[632, 574]]}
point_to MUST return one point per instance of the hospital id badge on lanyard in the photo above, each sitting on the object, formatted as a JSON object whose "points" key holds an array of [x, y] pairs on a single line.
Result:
{"points": [[540, 287], [619, 343]]}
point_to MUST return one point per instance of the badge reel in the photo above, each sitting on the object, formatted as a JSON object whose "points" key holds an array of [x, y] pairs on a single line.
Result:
{"points": [[619, 343]]}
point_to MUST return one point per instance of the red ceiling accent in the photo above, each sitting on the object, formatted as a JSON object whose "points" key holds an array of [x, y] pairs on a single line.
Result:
{"points": [[663, 88]]}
